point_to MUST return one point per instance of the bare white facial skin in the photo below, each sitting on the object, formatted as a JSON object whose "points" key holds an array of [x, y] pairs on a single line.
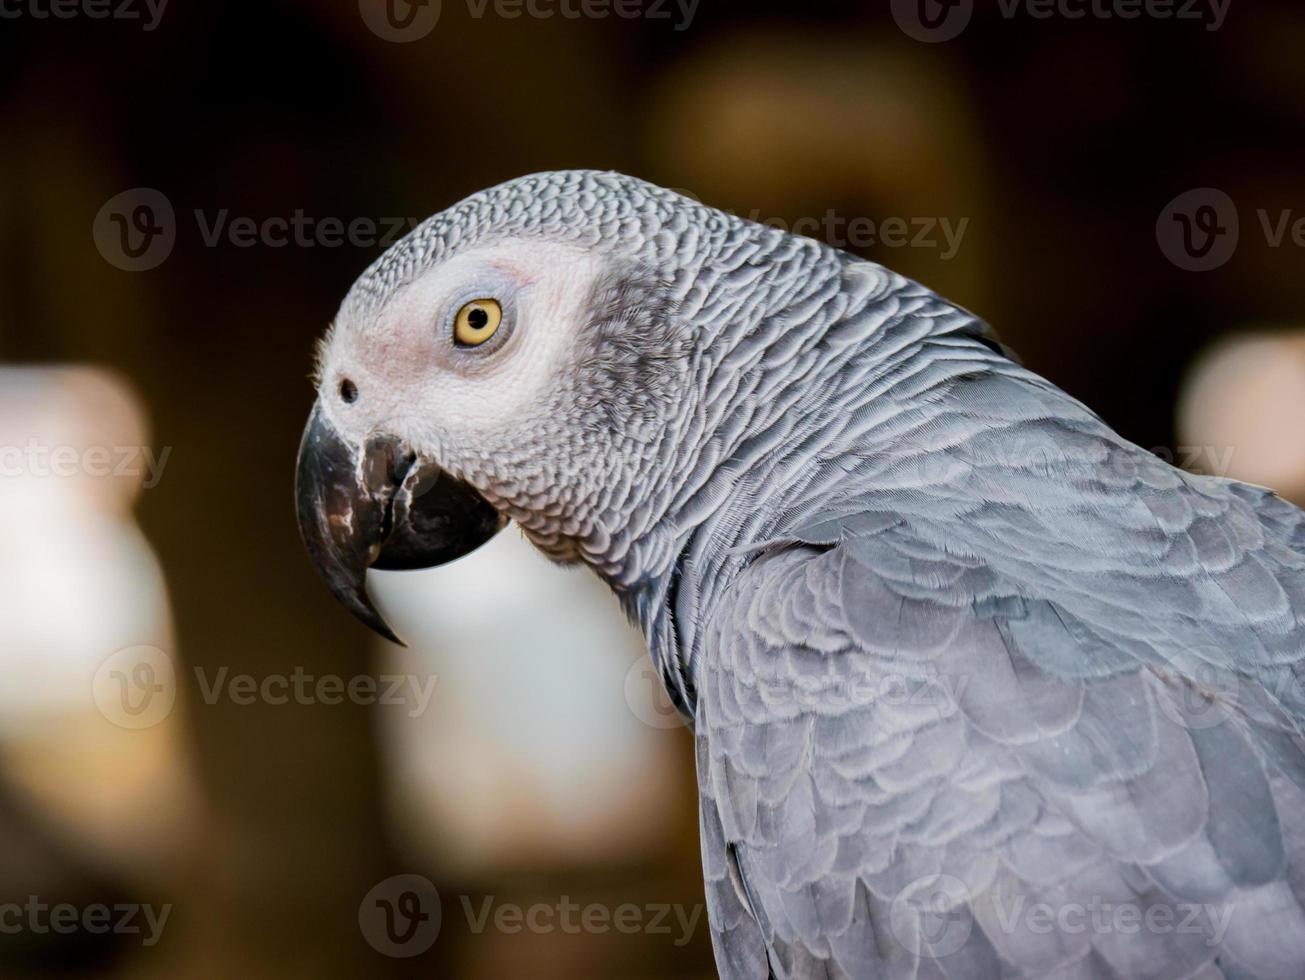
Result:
{"points": [[455, 404]]}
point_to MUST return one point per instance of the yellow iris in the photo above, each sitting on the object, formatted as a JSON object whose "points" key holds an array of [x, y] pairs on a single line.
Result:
{"points": [[476, 322]]}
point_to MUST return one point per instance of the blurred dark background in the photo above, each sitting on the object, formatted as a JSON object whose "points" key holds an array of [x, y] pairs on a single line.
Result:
{"points": [[1057, 144]]}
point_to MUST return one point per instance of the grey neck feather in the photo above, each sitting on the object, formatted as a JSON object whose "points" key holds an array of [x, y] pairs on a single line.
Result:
{"points": [[795, 347]]}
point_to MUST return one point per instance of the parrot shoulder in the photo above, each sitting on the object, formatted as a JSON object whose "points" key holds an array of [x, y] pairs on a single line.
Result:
{"points": [[890, 725]]}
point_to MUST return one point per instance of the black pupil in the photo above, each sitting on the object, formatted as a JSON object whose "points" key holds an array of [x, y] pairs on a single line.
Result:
{"points": [[478, 318], [348, 391]]}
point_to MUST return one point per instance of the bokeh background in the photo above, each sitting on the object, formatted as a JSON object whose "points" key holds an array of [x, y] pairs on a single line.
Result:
{"points": [[523, 784]]}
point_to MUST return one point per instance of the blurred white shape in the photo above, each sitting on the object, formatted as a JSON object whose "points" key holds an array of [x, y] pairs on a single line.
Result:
{"points": [[1242, 405], [528, 752], [78, 583]]}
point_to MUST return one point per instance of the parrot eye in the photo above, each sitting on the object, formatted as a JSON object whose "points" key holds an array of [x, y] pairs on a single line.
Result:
{"points": [[348, 391], [476, 322]]}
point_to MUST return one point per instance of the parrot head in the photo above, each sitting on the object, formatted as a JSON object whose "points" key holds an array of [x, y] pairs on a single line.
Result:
{"points": [[513, 358]]}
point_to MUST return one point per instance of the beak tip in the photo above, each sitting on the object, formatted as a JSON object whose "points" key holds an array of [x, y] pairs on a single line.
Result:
{"points": [[347, 515], [383, 628], [359, 602]]}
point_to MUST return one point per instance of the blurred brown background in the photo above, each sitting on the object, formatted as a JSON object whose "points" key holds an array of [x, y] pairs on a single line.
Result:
{"points": [[1052, 149]]}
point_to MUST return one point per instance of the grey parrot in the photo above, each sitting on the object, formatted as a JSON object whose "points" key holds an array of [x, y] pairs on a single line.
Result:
{"points": [[978, 687]]}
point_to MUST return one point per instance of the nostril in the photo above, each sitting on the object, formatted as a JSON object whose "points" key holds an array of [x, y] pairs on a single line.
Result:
{"points": [[348, 391]]}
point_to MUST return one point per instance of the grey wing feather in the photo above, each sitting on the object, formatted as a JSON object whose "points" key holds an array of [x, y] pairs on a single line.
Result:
{"points": [[939, 710]]}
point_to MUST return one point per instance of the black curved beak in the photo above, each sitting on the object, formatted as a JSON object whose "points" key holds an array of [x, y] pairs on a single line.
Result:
{"points": [[379, 506]]}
